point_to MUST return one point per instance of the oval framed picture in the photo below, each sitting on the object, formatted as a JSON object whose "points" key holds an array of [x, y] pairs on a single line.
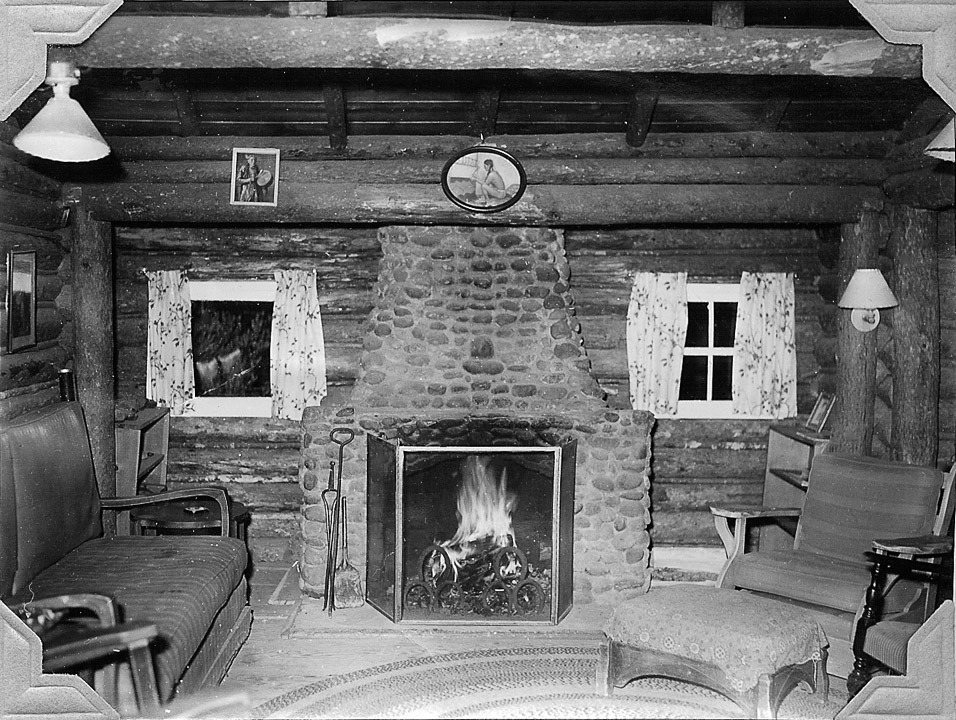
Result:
{"points": [[483, 179]]}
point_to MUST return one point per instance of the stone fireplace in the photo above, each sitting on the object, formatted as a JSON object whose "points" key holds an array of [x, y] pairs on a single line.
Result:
{"points": [[473, 350]]}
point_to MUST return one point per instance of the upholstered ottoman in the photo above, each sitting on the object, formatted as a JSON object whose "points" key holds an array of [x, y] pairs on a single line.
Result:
{"points": [[751, 649]]}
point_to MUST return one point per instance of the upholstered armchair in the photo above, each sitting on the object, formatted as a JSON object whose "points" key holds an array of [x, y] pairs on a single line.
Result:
{"points": [[850, 502]]}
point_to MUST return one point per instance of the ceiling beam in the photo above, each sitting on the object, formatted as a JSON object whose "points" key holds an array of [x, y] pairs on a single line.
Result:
{"points": [[126, 41]]}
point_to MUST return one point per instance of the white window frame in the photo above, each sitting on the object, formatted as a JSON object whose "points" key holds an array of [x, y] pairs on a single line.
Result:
{"points": [[709, 293], [235, 290]]}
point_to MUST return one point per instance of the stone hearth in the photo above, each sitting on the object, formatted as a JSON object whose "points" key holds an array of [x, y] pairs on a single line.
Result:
{"points": [[479, 323]]}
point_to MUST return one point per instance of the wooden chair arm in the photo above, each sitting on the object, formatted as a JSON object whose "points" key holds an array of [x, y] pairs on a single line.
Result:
{"points": [[919, 545], [70, 647], [102, 606], [79, 645], [743, 512], [217, 494]]}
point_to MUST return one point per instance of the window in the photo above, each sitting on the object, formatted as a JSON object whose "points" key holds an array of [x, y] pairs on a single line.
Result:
{"points": [[231, 337], [707, 370]]}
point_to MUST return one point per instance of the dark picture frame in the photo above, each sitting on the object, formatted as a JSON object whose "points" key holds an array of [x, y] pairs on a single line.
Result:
{"points": [[821, 412], [21, 300], [483, 179], [255, 177]]}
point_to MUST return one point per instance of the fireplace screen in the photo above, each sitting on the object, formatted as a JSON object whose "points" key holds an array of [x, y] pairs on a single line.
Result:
{"points": [[470, 534]]}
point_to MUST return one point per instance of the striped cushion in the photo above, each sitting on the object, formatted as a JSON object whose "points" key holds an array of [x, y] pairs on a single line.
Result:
{"points": [[887, 641], [179, 583]]}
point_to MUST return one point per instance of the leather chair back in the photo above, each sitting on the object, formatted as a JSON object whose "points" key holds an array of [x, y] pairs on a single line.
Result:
{"points": [[49, 501]]}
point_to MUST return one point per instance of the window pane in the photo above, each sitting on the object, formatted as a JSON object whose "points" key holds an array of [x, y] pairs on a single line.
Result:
{"points": [[723, 377], [697, 325], [693, 378], [231, 342], [725, 323]]}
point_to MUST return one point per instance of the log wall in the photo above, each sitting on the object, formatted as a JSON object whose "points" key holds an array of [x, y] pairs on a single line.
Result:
{"points": [[30, 219], [695, 462]]}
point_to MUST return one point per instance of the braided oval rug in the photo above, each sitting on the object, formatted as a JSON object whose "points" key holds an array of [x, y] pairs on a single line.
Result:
{"points": [[529, 682]]}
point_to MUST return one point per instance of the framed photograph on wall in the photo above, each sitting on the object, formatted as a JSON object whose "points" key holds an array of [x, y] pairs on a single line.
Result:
{"points": [[483, 179], [255, 176], [821, 411], [21, 300]]}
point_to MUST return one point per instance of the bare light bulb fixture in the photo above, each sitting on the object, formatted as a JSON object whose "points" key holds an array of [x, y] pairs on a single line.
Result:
{"points": [[866, 292], [62, 131]]}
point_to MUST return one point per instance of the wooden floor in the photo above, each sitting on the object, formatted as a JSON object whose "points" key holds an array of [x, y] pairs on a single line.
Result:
{"points": [[272, 663], [293, 643]]}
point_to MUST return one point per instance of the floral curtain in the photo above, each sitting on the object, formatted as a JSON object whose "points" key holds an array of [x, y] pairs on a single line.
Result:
{"points": [[656, 329], [298, 346], [765, 358], [169, 346]]}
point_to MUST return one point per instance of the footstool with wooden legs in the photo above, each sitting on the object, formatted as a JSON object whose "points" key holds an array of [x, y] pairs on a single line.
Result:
{"points": [[751, 649]]}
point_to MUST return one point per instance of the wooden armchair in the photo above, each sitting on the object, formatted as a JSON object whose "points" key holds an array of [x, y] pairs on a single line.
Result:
{"points": [[81, 634], [881, 645], [850, 502]]}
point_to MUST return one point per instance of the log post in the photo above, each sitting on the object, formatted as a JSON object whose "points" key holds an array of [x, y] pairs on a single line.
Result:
{"points": [[93, 322], [856, 351], [916, 332]]}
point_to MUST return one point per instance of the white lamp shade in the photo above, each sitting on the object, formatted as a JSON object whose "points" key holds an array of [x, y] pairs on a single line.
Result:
{"points": [[867, 289], [943, 146], [62, 131]]}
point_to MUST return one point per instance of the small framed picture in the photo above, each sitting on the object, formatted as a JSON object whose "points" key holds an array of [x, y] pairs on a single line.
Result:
{"points": [[255, 176], [821, 411], [483, 179], [21, 300]]}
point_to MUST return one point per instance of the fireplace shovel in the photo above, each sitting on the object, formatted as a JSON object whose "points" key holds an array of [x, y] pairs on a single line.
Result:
{"points": [[347, 591]]}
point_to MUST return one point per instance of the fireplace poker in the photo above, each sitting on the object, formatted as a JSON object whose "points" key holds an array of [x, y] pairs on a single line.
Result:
{"points": [[330, 497], [348, 435]]}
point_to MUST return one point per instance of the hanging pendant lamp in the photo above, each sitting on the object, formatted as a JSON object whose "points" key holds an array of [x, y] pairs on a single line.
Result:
{"points": [[62, 131]]}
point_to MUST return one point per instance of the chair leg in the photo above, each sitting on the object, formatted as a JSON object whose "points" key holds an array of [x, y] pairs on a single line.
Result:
{"points": [[144, 679], [603, 683], [872, 608]]}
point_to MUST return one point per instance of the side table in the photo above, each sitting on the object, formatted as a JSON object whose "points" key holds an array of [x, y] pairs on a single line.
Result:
{"points": [[198, 516]]}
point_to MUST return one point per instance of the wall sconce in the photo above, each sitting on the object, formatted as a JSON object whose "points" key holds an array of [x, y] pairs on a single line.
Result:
{"points": [[62, 131], [943, 146], [867, 291]]}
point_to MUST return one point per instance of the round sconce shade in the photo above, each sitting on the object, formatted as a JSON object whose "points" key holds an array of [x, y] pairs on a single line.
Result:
{"points": [[867, 289], [62, 131]]}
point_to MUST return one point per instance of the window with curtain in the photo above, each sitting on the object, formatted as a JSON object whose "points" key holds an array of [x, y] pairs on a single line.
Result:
{"points": [[236, 348], [712, 349]]}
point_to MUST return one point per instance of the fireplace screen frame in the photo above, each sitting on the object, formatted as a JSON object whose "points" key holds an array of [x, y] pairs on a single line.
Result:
{"points": [[385, 574]]}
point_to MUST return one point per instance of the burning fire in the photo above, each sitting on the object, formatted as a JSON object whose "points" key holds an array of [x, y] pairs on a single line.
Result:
{"points": [[484, 511]]}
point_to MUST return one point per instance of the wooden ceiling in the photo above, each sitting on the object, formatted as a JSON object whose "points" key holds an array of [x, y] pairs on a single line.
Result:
{"points": [[342, 102]]}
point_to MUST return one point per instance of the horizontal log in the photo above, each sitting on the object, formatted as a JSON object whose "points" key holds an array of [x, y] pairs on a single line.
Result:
{"points": [[701, 495], [31, 366], [862, 145], [602, 241], [716, 463], [28, 211], [257, 496], [16, 401], [930, 189], [335, 277], [270, 464], [336, 242], [17, 177], [445, 44], [685, 527], [541, 205], [589, 171]]}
